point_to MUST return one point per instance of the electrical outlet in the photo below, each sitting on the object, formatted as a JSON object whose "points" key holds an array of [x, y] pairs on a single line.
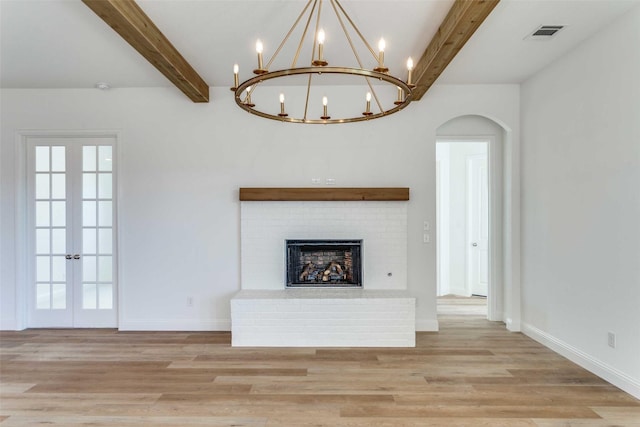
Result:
{"points": [[426, 238], [315, 181], [611, 339], [426, 226], [189, 301], [331, 181]]}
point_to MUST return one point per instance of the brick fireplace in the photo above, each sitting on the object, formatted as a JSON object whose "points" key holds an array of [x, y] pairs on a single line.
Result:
{"points": [[280, 305]]}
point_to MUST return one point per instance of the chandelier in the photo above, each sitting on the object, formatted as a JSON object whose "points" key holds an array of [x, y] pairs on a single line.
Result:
{"points": [[317, 71]]}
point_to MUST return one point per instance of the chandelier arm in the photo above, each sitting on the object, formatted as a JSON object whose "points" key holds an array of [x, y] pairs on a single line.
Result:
{"points": [[346, 33], [295, 24], [375, 96], [315, 34], [306, 102], [375, 56], [304, 33]]}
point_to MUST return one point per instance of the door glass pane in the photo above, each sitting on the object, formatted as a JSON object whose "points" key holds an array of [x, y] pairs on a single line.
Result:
{"points": [[89, 296], [43, 296], [42, 159], [104, 186], [89, 158], [89, 241], [42, 241], [43, 269], [89, 185], [58, 214], [89, 214], [58, 190], [42, 186], [104, 215], [105, 296], [59, 269], [59, 299], [59, 240], [104, 158], [88, 269], [42, 214], [57, 159], [105, 270], [105, 239]]}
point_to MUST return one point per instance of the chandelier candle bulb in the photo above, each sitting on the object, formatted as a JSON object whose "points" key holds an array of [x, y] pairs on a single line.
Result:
{"points": [[236, 69], [399, 101], [247, 100], [325, 116], [320, 61], [410, 70], [282, 113], [259, 49], [368, 109], [381, 46]]}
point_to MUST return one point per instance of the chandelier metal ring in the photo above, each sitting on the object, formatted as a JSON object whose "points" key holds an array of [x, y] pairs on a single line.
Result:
{"points": [[406, 89], [318, 65]]}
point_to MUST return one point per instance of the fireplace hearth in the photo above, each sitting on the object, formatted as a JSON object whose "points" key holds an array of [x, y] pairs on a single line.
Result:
{"points": [[324, 264]]}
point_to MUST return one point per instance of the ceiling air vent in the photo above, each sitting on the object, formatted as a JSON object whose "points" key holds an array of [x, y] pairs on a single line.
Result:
{"points": [[544, 32]]}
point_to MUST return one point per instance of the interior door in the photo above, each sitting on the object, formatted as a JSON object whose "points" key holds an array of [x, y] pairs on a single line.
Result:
{"points": [[71, 227], [478, 224]]}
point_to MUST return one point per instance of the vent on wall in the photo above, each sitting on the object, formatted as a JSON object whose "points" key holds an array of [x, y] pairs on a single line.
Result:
{"points": [[544, 32]]}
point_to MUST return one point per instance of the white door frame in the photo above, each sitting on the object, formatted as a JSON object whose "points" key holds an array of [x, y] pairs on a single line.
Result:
{"points": [[20, 226], [496, 291]]}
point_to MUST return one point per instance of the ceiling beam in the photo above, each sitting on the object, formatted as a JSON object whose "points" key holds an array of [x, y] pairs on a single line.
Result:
{"points": [[463, 19], [133, 25]]}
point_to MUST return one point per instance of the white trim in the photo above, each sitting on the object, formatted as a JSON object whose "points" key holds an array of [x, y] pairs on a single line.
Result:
{"points": [[591, 364], [175, 325], [427, 325]]}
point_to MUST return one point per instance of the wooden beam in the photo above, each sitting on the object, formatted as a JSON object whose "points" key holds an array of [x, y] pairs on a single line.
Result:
{"points": [[324, 194], [133, 25], [458, 26]]}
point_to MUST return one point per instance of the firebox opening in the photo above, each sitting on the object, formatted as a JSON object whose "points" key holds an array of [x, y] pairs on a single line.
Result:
{"points": [[324, 263]]}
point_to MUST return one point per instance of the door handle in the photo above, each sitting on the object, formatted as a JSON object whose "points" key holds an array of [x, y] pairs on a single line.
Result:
{"points": [[474, 244], [68, 256], [76, 256]]}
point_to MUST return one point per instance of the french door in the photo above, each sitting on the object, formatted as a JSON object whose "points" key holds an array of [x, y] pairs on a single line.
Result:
{"points": [[71, 232]]}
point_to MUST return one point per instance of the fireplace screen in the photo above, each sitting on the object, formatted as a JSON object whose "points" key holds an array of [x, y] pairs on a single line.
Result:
{"points": [[324, 263]]}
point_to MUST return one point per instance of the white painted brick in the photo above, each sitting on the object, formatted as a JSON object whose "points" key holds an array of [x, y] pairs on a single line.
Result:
{"points": [[315, 318]]}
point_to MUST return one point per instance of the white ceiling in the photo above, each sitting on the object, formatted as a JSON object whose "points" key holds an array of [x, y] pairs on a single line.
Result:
{"points": [[63, 44]]}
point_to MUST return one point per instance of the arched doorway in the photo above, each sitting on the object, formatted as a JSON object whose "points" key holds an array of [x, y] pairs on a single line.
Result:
{"points": [[470, 227]]}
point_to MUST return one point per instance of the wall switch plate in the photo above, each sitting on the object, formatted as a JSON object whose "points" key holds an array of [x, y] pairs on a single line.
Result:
{"points": [[426, 226], [331, 181], [426, 238], [315, 181], [189, 301], [611, 339]]}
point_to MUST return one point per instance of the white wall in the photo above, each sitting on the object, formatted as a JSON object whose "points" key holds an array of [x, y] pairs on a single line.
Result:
{"points": [[581, 203], [180, 167]]}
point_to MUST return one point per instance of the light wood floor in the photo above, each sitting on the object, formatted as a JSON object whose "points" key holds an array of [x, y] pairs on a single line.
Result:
{"points": [[472, 373], [458, 305]]}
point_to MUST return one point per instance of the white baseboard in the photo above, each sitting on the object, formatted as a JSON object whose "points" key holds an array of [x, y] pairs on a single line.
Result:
{"points": [[513, 326], [427, 325], [175, 325], [591, 364]]}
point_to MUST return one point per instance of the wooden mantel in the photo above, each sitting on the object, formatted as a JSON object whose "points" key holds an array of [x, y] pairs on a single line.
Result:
{"points": [[324, 194]]}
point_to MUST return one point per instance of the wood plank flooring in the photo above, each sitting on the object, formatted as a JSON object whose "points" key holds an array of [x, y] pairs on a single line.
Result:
{"points": [[472, 373]]}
